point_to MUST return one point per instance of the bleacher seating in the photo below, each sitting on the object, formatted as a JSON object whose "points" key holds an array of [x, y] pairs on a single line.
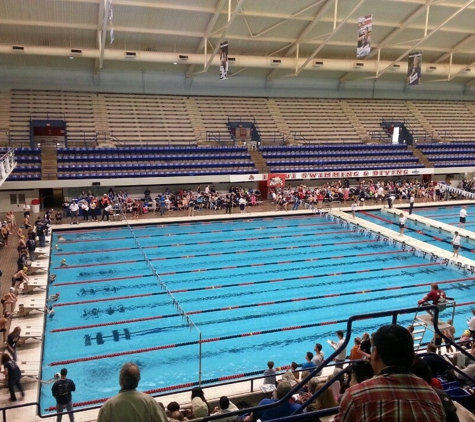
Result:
{"points": [[149, 119], [213, 112], [449, 154], [371, 113], [28, 164], [75, 107], [452, 120], [315, 120], [338, 157], [77, 163]]}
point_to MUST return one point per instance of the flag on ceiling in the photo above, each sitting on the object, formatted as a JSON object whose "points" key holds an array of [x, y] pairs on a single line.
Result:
{"points": [[223, 61], [365, 27], [111, 15], [414, 69]]}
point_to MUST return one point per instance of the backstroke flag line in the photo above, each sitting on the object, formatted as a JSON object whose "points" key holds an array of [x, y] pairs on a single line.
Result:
{"points": [[365, 27], [414, 69], [223, 61]]}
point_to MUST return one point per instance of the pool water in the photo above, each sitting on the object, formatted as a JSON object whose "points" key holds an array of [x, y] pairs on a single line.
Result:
{"points": [[257, 290], [421, 231]]}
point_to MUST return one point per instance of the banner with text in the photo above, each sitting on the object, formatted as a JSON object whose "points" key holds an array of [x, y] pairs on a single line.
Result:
{"points": [[414, 69], [365, 27], [276, 180], [223, 61], [348, 174]]}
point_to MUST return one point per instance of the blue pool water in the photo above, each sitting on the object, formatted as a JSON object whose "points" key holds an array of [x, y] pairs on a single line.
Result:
{"points": [[247, 285], [421, 231], [449, 215]]}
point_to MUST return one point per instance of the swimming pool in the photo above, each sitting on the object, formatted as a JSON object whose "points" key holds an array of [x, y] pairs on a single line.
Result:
{"points": [[421, 231], [257, 290]]}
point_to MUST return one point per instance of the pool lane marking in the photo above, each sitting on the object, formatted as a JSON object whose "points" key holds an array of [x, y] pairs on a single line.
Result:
{"points": [[207, 242], [103, 239], [413, 230], [233, 307], [100, 280], [208, 254], [191, 343]]}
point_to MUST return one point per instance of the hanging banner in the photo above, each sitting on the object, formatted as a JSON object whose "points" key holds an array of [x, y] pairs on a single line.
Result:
{"points": [[365, 27], [223, 61], [276, 180], [414, 69], [111, 16]]}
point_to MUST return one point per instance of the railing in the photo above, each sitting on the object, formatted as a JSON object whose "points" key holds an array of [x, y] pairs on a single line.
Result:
{"points": [[242, 119], [299, 137], [273, 138], [7, 164], [381, 137], [459, 192], [445, 134], [41, 115]]}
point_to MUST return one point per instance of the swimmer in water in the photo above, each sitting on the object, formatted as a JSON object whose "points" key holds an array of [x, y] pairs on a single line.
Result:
{"points": [[53, 298], [63, 263]]}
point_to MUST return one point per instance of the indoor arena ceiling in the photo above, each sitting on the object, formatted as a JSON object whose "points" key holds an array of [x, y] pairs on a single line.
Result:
{"points": [[311, 38]]}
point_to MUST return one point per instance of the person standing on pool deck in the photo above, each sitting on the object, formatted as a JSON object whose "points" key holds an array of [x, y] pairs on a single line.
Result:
{"points": [[354, 208], [411, 203], [402, 222], [130, 404], [456, 244], [62, 393], [463, 217]]}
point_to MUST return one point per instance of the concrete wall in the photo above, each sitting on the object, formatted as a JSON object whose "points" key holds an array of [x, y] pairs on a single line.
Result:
{"points": [[23, 77]]}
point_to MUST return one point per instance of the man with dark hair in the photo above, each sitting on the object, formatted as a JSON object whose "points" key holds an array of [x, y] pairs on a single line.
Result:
{"points": [[62, 393], [394, 394], [318, 357], [130, 404]]}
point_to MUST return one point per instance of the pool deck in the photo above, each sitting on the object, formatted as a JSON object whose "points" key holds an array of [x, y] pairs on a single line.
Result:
{"points": [[29, 354]]}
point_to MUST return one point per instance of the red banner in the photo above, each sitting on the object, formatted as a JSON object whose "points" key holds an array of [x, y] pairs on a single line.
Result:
{"points": [[276, 180]]}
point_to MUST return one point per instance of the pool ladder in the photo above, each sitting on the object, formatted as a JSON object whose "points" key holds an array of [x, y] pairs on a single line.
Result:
{"points": [[423, 322]]}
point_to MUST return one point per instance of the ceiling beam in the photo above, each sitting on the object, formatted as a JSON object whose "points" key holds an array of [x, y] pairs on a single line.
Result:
{"points": [[453, 15], [330, 36], [207, 32], [231, 19], [304, 33], [457, 47]]}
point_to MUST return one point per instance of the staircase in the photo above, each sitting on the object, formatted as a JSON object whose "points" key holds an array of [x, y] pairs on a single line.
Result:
{"points": [[49, 162], [422, 158], [4, 118], [353, 119], [469, 105], [259, 162], [196, 121], [422, 120], [100, 120], [279, 120]]}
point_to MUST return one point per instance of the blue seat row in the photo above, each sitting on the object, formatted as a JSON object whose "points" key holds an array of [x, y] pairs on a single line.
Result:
{"points": [[334, 153], [446, 145], [291, 169], [148, 157], [146, 166], [19, 169], [18, 177], [138, 149], [352, 161], [331, 147], [114, 175]]}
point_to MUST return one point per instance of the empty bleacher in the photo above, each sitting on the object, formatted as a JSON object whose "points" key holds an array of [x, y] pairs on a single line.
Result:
{"points": [[96, 163], [449, 154], [452, 120], [306, 158], [148, 119], [74, 107], [316, 121], [214, 112]]}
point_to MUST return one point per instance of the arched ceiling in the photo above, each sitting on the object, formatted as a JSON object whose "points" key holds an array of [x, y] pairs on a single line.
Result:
{"points": [[307, 30]]}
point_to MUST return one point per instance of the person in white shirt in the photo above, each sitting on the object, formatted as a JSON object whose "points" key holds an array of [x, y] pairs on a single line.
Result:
{"points": [[402, 222], [456, 244], [411, 203], [354, 208], [342, 355], [318, 357], [74, 208], [471, 324], [463, 217]]}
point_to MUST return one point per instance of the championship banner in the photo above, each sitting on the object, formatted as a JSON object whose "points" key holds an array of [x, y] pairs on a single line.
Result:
{"points": [[276, 180], [223, 61], [365, 27], [414, 69]]}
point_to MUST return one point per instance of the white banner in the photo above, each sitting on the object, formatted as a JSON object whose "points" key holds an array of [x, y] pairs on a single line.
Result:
{"points": [[365, 27], [335, 174]]}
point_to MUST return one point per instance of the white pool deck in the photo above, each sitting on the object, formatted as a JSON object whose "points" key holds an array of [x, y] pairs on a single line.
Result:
{"points": [[30, 352]]}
